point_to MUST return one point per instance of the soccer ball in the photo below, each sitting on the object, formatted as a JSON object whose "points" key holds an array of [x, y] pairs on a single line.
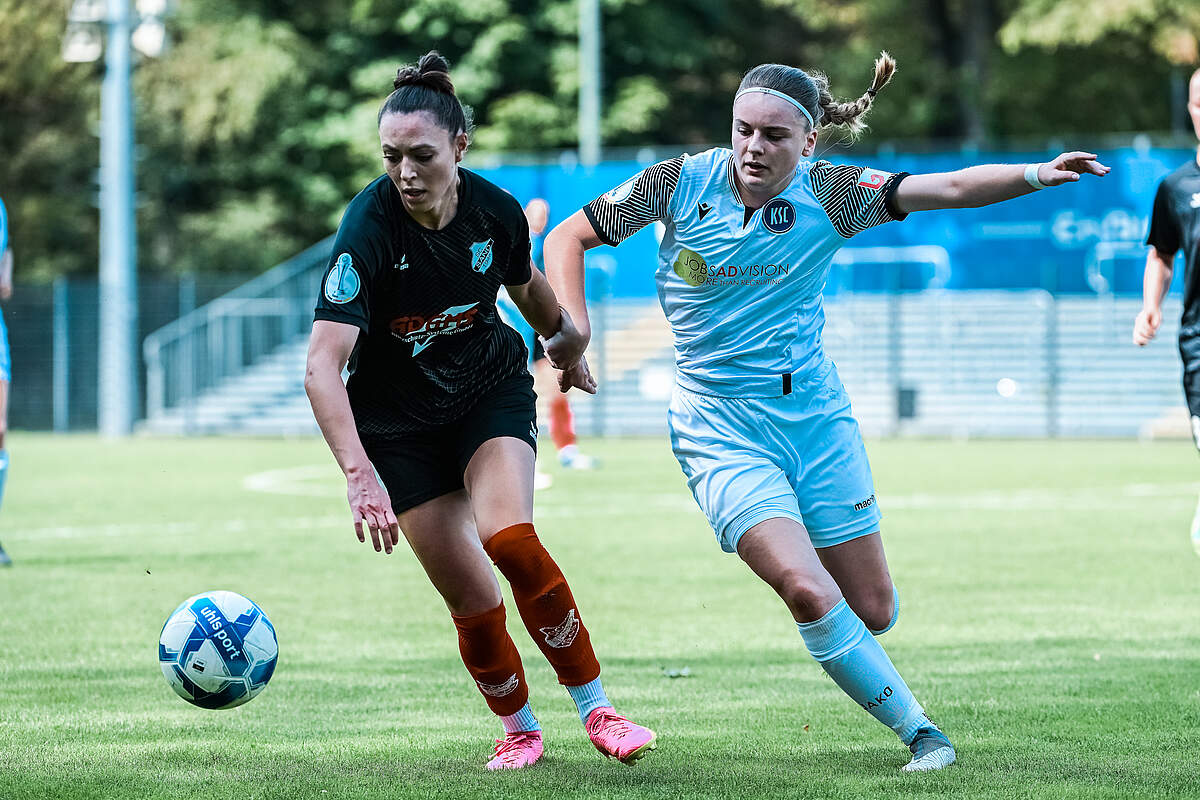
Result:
{"points": [[218, 650]]}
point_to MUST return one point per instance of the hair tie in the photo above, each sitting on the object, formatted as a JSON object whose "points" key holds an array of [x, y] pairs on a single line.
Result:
{"points": [[872, 92]]}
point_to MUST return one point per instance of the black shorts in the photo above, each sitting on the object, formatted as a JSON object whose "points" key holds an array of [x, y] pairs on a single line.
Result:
{"points": [[539, 352], [1189, 351], [419, 466]]}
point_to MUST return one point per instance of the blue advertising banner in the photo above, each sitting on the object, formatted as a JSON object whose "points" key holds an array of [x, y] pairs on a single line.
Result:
{"points": [[1082, 238]]}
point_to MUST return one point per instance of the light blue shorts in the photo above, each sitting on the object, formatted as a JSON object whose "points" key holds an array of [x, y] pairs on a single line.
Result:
{"points": [[799, 456], [5, 360]]}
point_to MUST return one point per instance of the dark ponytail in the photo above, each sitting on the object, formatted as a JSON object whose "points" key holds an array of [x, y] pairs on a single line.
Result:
{"points": [[427, 87]]}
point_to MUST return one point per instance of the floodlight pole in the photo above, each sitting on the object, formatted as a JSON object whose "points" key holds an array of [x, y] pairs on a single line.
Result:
{"points": [[589, 81], [118, 232]]}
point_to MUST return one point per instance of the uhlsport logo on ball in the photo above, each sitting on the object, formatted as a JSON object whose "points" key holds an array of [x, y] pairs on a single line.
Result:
{"points": [[218, 650]]}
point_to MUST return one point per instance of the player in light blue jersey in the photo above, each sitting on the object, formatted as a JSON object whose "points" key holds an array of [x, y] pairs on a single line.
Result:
{"points": [[6, 270], [759, 421]]}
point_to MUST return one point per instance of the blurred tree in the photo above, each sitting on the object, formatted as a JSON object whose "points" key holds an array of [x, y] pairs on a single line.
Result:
{"points": [[258, 126], [1170, 26], [48, 153]]}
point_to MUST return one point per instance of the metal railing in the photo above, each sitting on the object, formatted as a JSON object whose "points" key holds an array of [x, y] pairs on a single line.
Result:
{"points": [[217, 341], [917, 360]]}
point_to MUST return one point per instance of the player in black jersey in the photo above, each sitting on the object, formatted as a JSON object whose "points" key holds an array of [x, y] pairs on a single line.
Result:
{"points": [[440, 404], [1174, 226]]}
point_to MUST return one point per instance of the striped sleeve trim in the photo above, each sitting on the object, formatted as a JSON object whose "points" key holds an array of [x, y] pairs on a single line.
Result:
{"points": [[644, 198], [855, 198]]}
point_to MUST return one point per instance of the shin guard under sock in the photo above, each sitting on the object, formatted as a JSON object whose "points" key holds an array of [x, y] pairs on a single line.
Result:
{"points": [[858, 665], [545, 603], [493, 661]]}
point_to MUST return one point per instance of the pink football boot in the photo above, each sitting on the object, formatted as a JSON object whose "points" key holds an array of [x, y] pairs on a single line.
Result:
{"points": [[517, 750], [615, 736]]}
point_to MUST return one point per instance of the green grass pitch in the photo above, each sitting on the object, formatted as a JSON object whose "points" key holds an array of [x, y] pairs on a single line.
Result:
{"points": [[1050, 622]]}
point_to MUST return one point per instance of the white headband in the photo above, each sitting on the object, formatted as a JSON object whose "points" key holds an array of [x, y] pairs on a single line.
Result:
{"points": [[790, 99]]}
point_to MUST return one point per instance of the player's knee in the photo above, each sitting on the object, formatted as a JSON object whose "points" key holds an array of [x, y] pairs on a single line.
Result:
{"points": [[468, 604], [883, 611], [806, 595]]}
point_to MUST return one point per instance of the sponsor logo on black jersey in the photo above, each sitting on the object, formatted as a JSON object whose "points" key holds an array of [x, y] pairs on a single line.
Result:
{"points": [[481, 256], [778, 215], [342, 283], [421, 331], [403, 262], [703, 208]]}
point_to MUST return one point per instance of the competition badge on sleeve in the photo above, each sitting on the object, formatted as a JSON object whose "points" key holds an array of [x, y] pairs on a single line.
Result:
{"points": [[873, 178], [342, 283]]}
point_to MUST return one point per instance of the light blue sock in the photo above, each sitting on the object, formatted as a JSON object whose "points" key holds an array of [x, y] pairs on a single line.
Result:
{"points": [[841, 644], [895, 614], [523, 720], [588, 698]]}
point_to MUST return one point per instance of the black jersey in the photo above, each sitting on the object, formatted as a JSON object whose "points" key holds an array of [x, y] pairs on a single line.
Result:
{"points": [[432, 344], [1175, 225]]}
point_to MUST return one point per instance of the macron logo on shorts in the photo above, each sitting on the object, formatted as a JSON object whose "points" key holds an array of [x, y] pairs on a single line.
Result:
{"points": [[865, 504]]}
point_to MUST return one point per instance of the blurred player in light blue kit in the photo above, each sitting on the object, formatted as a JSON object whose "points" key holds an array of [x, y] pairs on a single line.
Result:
{"points": [[759, 421], [6, 271]]}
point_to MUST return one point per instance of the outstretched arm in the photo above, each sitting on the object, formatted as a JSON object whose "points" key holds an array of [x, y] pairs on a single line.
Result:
{"points": [[1160, 267], [992, 183], [563, 252]]}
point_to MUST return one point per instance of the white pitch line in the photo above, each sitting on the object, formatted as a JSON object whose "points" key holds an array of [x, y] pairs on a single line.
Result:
{"points": [[313, 480], [301, 481], [175, 528]]}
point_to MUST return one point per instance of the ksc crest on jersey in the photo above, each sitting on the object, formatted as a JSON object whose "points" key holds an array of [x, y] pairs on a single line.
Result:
{"points": [[481, 256], [342, 283], [779, 215]]}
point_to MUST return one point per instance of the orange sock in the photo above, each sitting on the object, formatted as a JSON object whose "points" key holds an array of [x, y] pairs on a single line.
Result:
{"points": [[493, 661], [545, 603], [562, 421]]}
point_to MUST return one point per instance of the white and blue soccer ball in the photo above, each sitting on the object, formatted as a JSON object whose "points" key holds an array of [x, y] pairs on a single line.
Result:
{"points": [[218, 650]]}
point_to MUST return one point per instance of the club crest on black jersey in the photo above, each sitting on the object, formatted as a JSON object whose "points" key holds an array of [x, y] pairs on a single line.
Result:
{"points": [[431, 343]]}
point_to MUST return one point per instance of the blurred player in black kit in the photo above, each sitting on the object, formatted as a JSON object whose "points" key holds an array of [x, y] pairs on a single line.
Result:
{"points": [[1174, 226]]}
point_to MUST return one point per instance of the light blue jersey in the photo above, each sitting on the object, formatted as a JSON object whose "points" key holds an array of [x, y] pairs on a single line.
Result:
{"points": [[742, 291], [3, 228], [760, 422]]}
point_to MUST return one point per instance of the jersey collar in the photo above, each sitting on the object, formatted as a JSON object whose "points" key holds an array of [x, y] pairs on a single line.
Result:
{"points": [[732, 181]]}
